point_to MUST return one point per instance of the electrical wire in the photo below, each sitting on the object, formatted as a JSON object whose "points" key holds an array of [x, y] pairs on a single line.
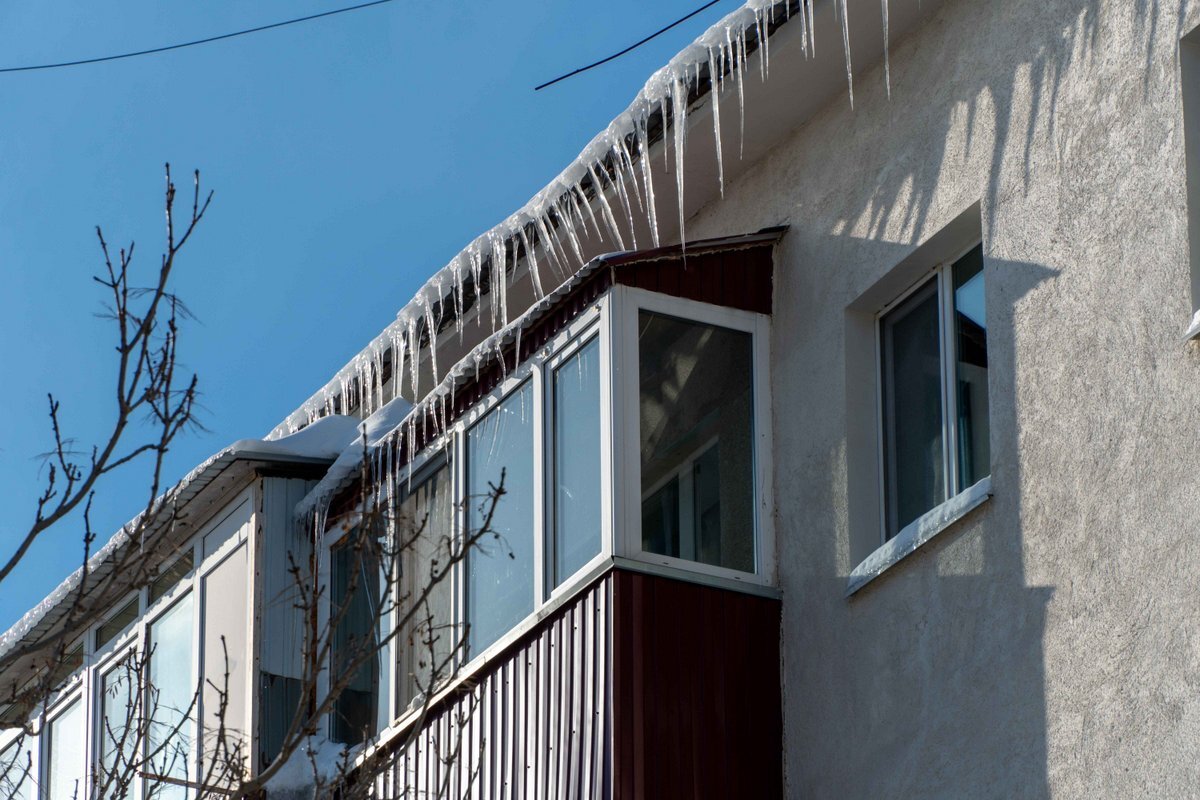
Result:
{"points": [[193, 43], [631, 47]]}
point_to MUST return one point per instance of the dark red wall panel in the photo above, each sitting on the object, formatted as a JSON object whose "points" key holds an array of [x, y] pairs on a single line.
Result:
{"points": [[696, 691]]}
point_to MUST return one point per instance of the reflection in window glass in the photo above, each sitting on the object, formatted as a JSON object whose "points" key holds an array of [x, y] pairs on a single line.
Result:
{"points": [[17, 781], [696, 441], [500, 568], [426, 512], [912, 402], [118, 724], [577, 516], [971, 369], [171, 700], [354, 589], [65, 772]]}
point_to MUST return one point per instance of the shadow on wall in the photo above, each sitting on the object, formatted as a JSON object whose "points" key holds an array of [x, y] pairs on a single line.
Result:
{"points": [[931, 681], [1014, 106]]}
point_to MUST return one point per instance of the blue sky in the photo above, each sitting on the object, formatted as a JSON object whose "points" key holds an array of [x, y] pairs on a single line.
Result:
{"points": [[351, 157]]}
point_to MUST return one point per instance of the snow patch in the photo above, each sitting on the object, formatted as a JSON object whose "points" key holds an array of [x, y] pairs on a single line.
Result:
{"points": [[315, 762]]}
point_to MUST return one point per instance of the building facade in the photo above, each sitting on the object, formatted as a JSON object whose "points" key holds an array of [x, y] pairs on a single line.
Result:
{"points": [[880, 486]]}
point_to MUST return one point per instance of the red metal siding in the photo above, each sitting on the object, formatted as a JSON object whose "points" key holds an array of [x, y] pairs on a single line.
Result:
{"points": [[696, 691], [536, 724], [738, 278]]}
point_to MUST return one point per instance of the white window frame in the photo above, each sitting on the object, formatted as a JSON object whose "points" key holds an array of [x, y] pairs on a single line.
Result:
{"points": [[32, 744], [942, 273], [629, 301], [75, 690], [85, 682], [593, 323]]}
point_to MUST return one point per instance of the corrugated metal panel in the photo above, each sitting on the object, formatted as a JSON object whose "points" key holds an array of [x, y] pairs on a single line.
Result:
{"points": [[537, 725], [697, 709], [282, 625]]}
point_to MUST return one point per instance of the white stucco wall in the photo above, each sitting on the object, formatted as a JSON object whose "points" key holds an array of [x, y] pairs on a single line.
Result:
{"points": [[1047, 644]]}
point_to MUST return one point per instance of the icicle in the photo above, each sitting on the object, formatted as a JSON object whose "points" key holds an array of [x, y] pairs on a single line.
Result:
{"points": [[887, 66], [431, 330], [714, 72], [679, 108], [812, 29], [578, 188], [606, 211], [643, 139], [737, 60], [531, 263], [565, 221], [414, 355], [846, 45]]}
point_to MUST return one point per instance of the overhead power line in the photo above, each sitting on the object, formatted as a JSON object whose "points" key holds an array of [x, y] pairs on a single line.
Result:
{"points": [[194, 42], [631, 47]]}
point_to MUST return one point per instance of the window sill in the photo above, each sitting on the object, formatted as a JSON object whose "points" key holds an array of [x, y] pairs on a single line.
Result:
{"points": [[1193, 330], [917, 533]]}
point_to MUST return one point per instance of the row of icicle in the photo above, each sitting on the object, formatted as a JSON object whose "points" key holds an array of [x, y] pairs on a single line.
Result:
{"points": [[546, 232]]}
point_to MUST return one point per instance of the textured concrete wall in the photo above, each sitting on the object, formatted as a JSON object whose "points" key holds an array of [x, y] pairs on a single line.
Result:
{"points": [[1049, 643]]}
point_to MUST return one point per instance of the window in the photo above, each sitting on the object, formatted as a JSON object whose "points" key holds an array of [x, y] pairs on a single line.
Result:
{"points": [[17, 776], [64, 754], [354, 587], [119, 712], [576, 495], [108, 630], [934, 392], [500, 571], [426, 518], [696, 415], [170, 700]]}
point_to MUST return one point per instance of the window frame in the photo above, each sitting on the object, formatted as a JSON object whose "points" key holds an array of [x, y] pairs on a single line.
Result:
{"points": [[940, 272], [629, 302]]}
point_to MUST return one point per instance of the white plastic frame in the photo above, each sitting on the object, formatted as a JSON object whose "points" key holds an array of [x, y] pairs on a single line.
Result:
{"points": [[628, 302]]}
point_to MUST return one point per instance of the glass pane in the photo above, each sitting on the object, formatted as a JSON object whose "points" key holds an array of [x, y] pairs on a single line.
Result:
{"points": [[118, 727], [118, 622], [172, 575], [914, 470], [697, 445], [500, 569], [660, 520], [225, 618], [17, 780], [577, 516], [354, 589], [64, 773], [426, 520], [971, 368], [171, 699]]}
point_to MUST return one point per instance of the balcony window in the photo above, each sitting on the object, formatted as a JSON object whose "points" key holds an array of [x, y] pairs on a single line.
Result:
{"points": [[119, 714], [500, 572], [696, 441], [65, 774], [18, 780], [577, 461], [425, 527], [354, 588], [171, 701]]}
